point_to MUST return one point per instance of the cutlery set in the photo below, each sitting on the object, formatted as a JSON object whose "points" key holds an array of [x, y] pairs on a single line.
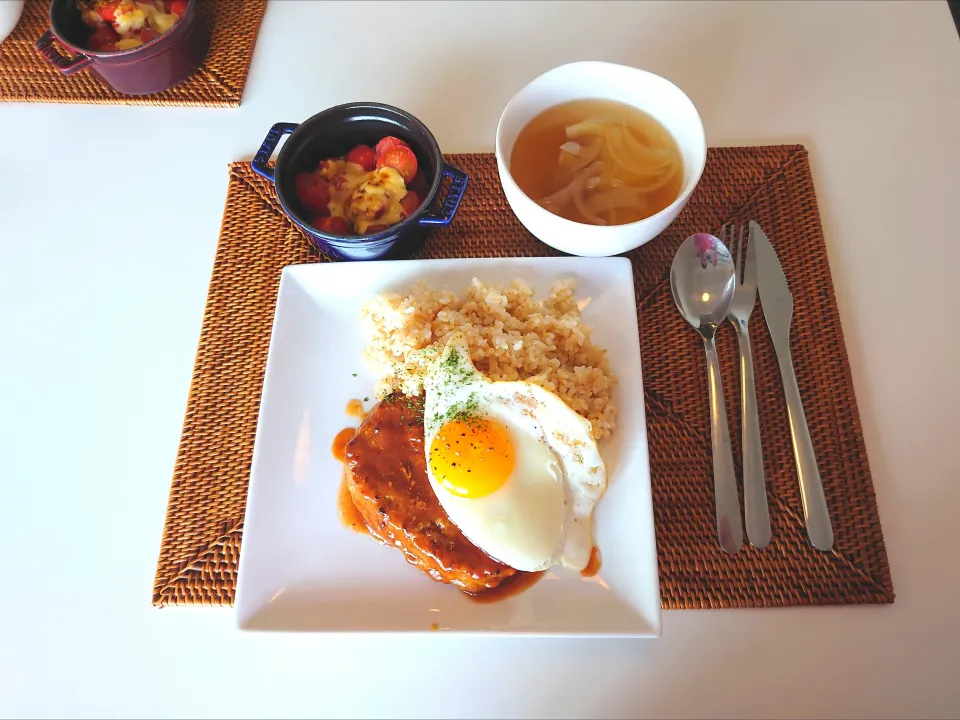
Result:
{"points": [[709, 287]]}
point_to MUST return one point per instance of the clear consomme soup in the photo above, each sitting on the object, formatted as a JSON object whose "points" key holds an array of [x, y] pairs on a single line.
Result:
{"points": [[598, 162]]}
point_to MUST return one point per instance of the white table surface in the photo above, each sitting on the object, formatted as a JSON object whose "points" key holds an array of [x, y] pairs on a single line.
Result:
{"points": [[105, 257]]}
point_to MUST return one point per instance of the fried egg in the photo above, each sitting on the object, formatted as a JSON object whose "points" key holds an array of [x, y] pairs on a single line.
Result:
{"points": [[512, 465]]}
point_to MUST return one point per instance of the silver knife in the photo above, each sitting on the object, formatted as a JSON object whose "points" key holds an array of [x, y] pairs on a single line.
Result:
{"points": [[777, 304]]}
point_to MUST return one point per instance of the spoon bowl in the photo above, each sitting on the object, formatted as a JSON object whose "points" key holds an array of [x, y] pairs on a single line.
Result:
{"points": [[703, 281]]}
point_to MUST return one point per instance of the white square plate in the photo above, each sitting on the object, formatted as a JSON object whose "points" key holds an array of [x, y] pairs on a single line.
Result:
{"points": [[301, 569]]}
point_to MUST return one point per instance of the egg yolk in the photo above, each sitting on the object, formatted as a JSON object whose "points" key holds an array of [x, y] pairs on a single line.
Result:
{"points": [[471, 457]]}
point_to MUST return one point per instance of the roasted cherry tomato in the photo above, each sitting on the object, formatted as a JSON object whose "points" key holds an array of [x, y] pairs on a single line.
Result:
{"points": [[400, 159], [177, 7], [333, 225], [364, 156], [419, 185], [108, 47], [102, 36], [321, 214], [388, 142], [108, 11], [410, 202], [148, 34], [312, 191], [375, 229]]}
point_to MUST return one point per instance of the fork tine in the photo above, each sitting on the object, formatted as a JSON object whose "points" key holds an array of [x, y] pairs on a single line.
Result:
{"points": [[727, 239], [739, 244], [750, 270], [744, 250]]}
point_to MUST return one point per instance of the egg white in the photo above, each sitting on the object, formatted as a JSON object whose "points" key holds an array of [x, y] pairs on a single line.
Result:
{"points": [[542, 515]]}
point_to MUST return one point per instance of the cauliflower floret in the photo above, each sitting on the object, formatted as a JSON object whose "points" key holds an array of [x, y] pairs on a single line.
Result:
{"points": [[130, 18], [376, 201], [161, 21]]}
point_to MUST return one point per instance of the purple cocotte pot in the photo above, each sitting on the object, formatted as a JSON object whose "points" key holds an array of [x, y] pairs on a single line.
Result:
{"points": [[152, 67]]}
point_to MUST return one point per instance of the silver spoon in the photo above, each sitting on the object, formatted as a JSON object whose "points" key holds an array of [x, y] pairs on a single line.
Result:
{"points": [[703, 282]]}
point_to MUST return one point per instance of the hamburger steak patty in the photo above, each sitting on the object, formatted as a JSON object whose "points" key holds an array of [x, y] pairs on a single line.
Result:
{"points": [[387, 478]]}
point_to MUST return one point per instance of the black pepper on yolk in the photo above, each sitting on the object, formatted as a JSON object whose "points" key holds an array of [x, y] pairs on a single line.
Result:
{"points": [[471, 457]]}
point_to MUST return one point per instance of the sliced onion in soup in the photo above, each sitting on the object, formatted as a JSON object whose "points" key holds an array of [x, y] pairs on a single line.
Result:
{"points": [[603, 201], [584, 208], [569, 164], [564, 195]]}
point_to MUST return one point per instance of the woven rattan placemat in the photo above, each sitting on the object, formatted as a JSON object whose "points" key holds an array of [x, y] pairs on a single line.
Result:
{"points": [[204, 524], [26, 77]]}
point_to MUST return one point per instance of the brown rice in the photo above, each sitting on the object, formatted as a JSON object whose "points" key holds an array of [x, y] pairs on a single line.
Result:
{"points": [[511, 337]]}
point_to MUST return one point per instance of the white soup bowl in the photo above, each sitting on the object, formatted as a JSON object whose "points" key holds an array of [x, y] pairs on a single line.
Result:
{"points": [[600, 80]]}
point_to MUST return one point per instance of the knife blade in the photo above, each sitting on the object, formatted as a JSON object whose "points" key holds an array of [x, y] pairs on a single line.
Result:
{"points": [[777, 303], [775, 295]]}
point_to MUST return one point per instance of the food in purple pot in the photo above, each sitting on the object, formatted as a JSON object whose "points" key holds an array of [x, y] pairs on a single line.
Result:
{"points": [[364, 192], [126, 24]]}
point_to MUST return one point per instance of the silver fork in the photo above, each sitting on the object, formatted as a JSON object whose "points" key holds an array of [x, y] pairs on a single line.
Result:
{"points": [[754, 487]]}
